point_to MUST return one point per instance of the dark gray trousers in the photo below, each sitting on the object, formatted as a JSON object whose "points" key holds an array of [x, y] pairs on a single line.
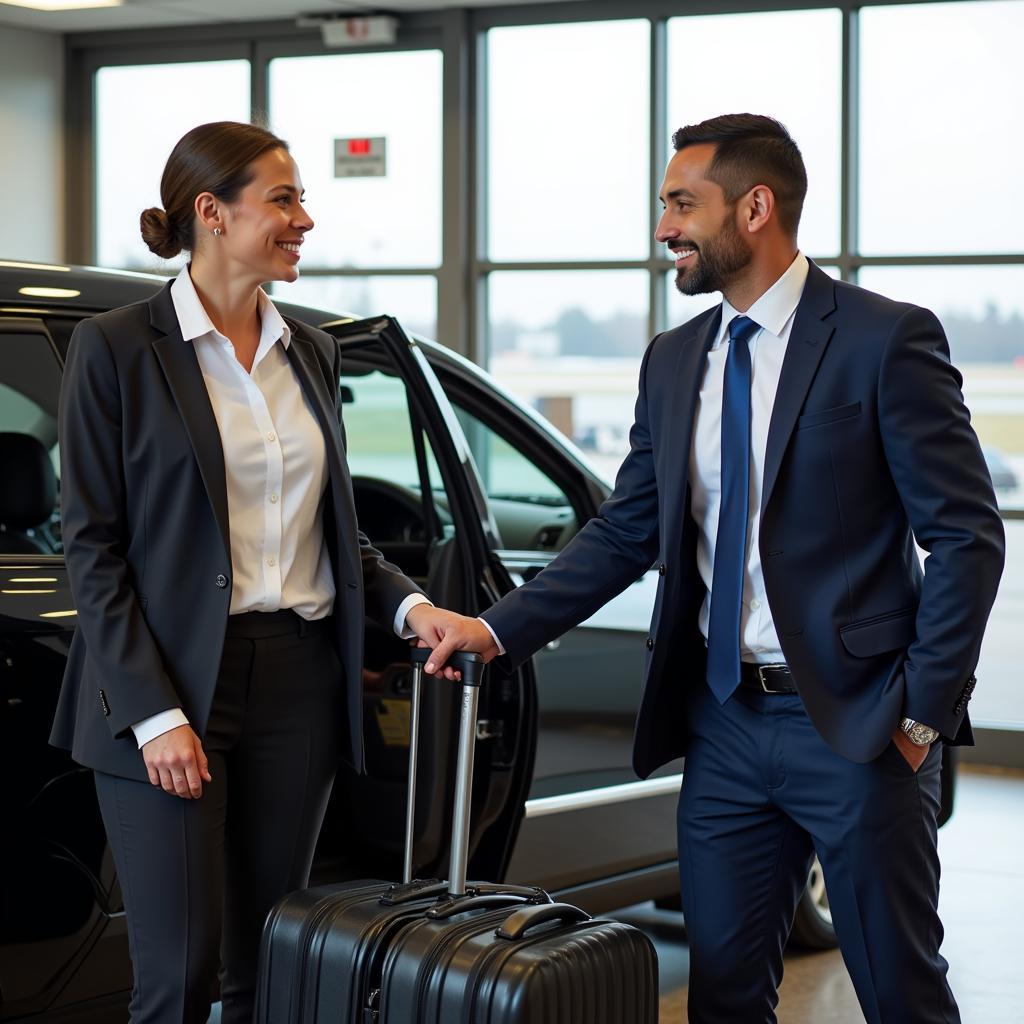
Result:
{"points": [[199, 876]]}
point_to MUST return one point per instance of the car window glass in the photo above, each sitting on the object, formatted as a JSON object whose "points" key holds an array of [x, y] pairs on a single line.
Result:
{"points": [[379, 431], [29, 455], [531, 510]]}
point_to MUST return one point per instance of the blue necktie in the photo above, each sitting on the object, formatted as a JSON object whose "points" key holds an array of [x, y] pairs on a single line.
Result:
{"points": [[731, 542]]}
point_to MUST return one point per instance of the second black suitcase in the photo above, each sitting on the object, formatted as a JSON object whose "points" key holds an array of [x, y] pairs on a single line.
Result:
{"points": [[449, 953]]}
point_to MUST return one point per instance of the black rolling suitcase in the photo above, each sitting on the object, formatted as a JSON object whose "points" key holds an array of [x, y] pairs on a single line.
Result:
{"points": [[430, 952]]}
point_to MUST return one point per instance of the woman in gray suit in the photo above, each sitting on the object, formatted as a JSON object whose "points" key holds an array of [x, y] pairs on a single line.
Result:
{"points": [[219, 575]]}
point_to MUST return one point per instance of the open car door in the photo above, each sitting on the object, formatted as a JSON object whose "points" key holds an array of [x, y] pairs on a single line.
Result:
{"points": [[418, 497]]}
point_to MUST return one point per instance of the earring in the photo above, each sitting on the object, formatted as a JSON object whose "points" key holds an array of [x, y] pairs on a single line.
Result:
{"points": [[216, 232]]}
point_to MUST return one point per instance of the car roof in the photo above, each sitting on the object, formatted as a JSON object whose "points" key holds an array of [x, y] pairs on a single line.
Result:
{"points": [[91, 290]]}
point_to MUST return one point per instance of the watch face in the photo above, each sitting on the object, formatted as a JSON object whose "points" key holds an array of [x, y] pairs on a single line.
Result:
{"points": [[922, 734]]}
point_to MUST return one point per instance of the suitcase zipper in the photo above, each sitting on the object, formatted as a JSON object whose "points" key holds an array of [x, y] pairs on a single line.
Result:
{"points": [[327, 907]]}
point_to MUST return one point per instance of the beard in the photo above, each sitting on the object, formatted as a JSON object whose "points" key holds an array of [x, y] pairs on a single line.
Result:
{"points": [[719, 259]]}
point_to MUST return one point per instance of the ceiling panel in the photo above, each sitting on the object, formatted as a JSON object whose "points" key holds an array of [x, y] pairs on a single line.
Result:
{"points": [[154, 13]]}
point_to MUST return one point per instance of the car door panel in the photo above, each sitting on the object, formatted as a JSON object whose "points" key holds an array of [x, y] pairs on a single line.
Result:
{"points": [[413, 479]]}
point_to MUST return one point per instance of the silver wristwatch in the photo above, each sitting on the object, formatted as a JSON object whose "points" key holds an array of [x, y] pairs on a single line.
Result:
{"points": [[918, 734]]}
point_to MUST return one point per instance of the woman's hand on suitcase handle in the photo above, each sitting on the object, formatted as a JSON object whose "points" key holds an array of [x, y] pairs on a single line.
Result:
{"points": [[447, 632], [176, 762]]}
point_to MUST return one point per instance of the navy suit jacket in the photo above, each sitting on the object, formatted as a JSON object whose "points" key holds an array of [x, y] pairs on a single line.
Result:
{"points": [[870, 447], [145, 525]]}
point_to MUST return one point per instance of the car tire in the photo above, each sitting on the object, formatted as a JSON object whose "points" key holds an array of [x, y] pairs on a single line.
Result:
{"points": [[812, 924]]}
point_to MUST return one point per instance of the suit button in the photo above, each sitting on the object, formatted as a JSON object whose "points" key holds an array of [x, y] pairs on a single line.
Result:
{"points": [[661, 569], [222, 581], [650, 644]]}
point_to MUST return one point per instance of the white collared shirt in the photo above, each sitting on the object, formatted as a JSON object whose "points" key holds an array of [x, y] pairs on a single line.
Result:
{"points": [[773, 312], [275, 468], [275, 463]]}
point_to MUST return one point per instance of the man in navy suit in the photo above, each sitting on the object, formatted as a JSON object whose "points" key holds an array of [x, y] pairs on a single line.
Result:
{"points": [[789, 448]]}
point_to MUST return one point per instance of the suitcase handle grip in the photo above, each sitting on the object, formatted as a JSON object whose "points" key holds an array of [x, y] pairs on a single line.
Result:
{"points": [[529, 917], [469, 664], [451, 907]]}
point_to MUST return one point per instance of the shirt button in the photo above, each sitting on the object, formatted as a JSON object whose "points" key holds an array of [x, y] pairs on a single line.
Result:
{"points": [[649, 643], [273, 499], [271, 436], [222, 581], [271, 562], [661, 569], [754, 605]]}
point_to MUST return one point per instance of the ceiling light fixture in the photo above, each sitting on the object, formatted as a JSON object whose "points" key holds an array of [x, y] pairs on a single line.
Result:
{"points": [[61, 5]]}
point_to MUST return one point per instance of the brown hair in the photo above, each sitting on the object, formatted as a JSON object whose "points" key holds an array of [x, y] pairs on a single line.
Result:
{"points": [[215, 158], [751, 149]]}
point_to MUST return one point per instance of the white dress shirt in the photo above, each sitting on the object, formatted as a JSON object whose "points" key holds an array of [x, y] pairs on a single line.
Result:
{"points": [[773, 312], [275, 468]]}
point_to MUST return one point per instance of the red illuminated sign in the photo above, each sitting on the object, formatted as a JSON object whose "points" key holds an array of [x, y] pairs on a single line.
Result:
{"points": [[359, 147]]}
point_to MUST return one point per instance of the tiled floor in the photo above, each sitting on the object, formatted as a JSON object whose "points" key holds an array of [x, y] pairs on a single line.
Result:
{"points": [[982, 907]]}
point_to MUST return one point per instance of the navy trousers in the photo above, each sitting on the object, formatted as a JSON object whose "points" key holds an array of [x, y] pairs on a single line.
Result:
{"points": [[761, 794]]}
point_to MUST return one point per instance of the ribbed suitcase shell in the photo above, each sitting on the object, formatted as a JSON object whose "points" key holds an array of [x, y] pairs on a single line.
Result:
{"points": [[341, 955], [320, 949], [458, 971]]}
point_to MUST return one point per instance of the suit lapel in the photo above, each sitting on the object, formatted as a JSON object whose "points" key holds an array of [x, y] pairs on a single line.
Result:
{"points": [[682, 412], [807, 343], [185, 379]]}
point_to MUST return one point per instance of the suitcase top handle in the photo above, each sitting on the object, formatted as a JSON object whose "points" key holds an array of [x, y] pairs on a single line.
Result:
{"points": [[519, 923], [469, 664]]}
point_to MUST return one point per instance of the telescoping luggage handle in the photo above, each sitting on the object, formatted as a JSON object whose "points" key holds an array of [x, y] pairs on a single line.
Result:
{"points": [[471, 666]]}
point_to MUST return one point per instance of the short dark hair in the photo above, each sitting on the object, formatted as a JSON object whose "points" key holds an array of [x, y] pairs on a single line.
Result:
{"points": [[751, 149], [215, 158]]}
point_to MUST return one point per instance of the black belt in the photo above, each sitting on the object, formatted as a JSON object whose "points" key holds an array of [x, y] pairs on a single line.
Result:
{"points": [[766, 678], [264, 625]]}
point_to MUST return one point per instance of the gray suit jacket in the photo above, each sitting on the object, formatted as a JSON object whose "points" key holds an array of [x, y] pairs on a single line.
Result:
{"points": [[145, 527]]}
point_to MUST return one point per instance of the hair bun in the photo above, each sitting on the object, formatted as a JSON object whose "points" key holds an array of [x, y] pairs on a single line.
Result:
{"points": [[158, 233]]}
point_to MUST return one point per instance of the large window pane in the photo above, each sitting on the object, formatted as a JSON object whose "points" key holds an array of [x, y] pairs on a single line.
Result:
{"points": [[568, 141], [569, 343], [982, 311], [413, 300], [141, 112], [940, 154], [999, 698], [389, 221], [716, 65]]}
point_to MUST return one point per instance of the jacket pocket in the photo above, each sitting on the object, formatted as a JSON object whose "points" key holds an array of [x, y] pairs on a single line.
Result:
{"points": [[881, 633], [838, 412]]}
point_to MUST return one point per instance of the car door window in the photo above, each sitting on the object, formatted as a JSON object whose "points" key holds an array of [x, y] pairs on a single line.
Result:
{"points": [[532, 512], [29, 455], [399, 496]]}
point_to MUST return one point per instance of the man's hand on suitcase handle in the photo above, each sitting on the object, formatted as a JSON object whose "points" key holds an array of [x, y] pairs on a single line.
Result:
{"points": [[447, 632]]}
